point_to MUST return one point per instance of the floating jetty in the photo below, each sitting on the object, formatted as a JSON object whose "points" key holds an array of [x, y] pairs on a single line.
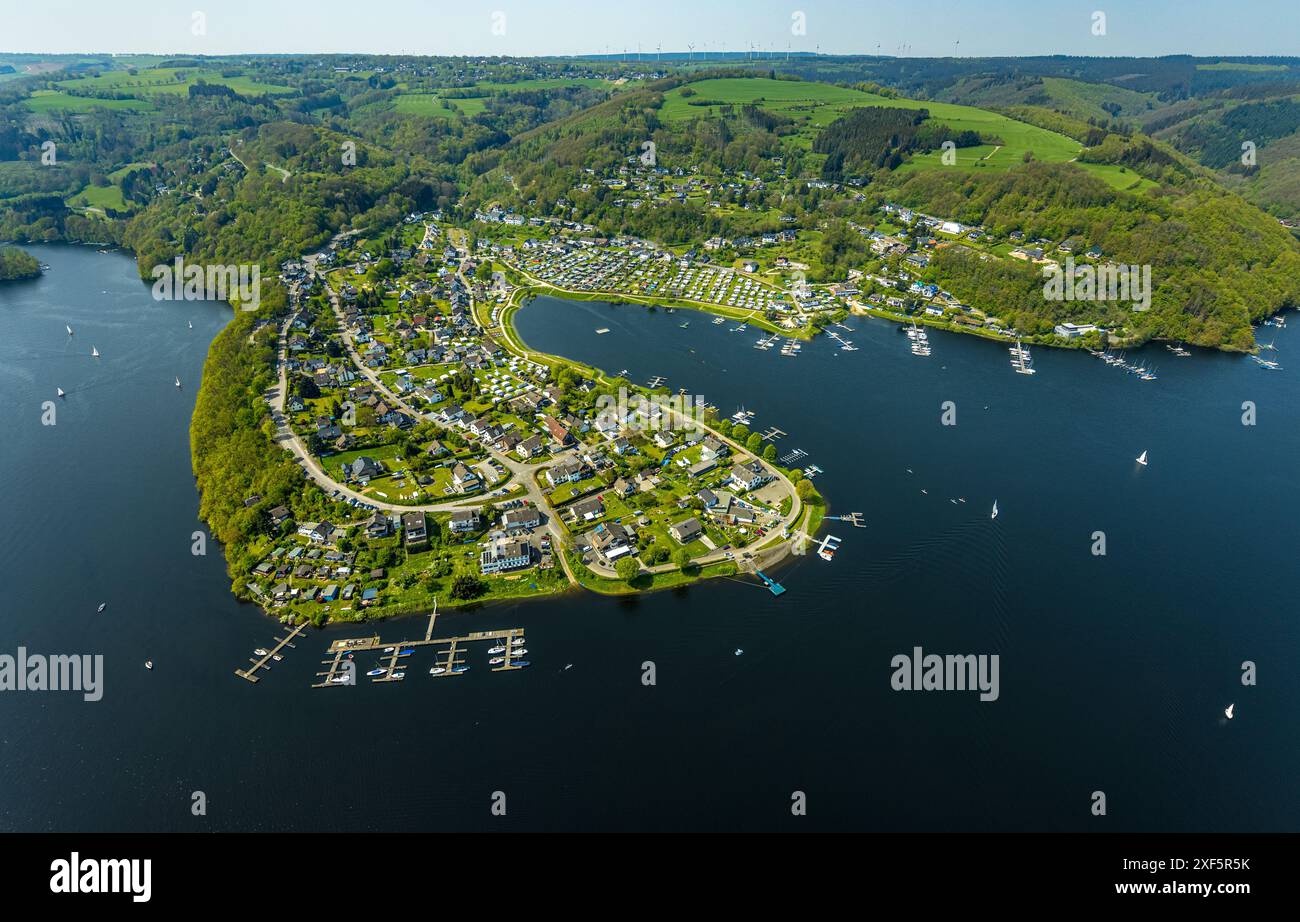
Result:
{"points": [[853, 518], [772, 434], [250, 673], [394, 669], [656, 381], [830, 544], [792, 456], [766, 343], [812, 471], [772, 585]]}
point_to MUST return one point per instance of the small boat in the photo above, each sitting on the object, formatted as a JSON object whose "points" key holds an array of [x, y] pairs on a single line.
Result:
{"points": [[399, 675], [375, 672], [148, 664], [190, 324], [339, 679], [568, 666], [407, 652], [94, 352], [499, 648], [518, 651], [1227, 712], [738, 651], [277, 657], [496, 661], [178, 382], [457, 670], [521, 663], [437, 670], [69, 329], [262, 651], [994, 514], [102, 606], [389, 649], [61, 392], [1142, 459]]}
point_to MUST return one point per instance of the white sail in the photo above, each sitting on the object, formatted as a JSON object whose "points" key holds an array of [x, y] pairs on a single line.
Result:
{"points": [[995, 510], [60, 390], [94, 351], [69, 329], [1142, 458], [1227, 712]]}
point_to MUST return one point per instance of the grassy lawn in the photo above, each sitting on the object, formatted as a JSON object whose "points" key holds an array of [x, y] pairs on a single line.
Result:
{"points": [[646, 581], [99, 197]]}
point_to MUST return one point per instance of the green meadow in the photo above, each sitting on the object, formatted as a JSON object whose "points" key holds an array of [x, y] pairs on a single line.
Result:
{"points": [[145, 83], [55, 101], [815, 105]]}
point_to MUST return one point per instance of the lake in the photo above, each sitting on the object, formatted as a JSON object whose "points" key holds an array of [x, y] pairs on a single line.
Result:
{"points": [[1114, 670]]}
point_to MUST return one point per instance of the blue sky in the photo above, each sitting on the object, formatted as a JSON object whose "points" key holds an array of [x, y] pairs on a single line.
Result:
{"points": [[529, 27]]}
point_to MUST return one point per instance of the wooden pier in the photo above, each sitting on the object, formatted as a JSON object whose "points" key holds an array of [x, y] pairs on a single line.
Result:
{"points": [[792, 456], [250, 673], [450, 657], [853, 518], [773, 433]]}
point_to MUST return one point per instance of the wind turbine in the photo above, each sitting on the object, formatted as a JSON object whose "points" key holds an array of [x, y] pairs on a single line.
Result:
{"points": [[690, 49]]}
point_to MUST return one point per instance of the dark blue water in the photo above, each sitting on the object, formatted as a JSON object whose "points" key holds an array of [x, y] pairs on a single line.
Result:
{"points": [[1114, 671]]}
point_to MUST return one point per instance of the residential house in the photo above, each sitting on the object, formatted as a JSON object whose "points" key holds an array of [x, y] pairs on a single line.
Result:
{"points": [[504, 554], [465, 520], [686, 531], [416, 530]]}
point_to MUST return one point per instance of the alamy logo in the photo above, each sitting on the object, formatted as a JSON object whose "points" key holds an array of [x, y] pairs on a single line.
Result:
{"points": [[103, 875], [79, 673], [193, 282], [932, 672], [1110, 282]]}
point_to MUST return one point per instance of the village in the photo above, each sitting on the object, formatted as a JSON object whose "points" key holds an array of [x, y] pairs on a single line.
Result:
{"points": [[456, 468]]}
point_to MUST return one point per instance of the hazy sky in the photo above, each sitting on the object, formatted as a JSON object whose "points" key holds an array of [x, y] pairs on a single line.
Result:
{"points": [[528, 27]]}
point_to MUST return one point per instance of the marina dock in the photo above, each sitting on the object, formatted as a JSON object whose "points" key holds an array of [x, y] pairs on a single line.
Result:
{"points": [[853, 518], [250, 673], [772, 585], [450, 657]]}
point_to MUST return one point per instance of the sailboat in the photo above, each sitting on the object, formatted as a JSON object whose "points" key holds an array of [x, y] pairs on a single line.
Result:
{"points": [[69, 328], [1227, 712], [178, 382], [61, 393], [94, 352], [148, 664], [102, 606], [190, 324], [1142, 459], [994, 514]]}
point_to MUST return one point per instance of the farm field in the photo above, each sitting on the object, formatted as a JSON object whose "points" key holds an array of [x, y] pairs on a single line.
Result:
{"points": [[56, 101], [816, 105], [152, 81]]}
